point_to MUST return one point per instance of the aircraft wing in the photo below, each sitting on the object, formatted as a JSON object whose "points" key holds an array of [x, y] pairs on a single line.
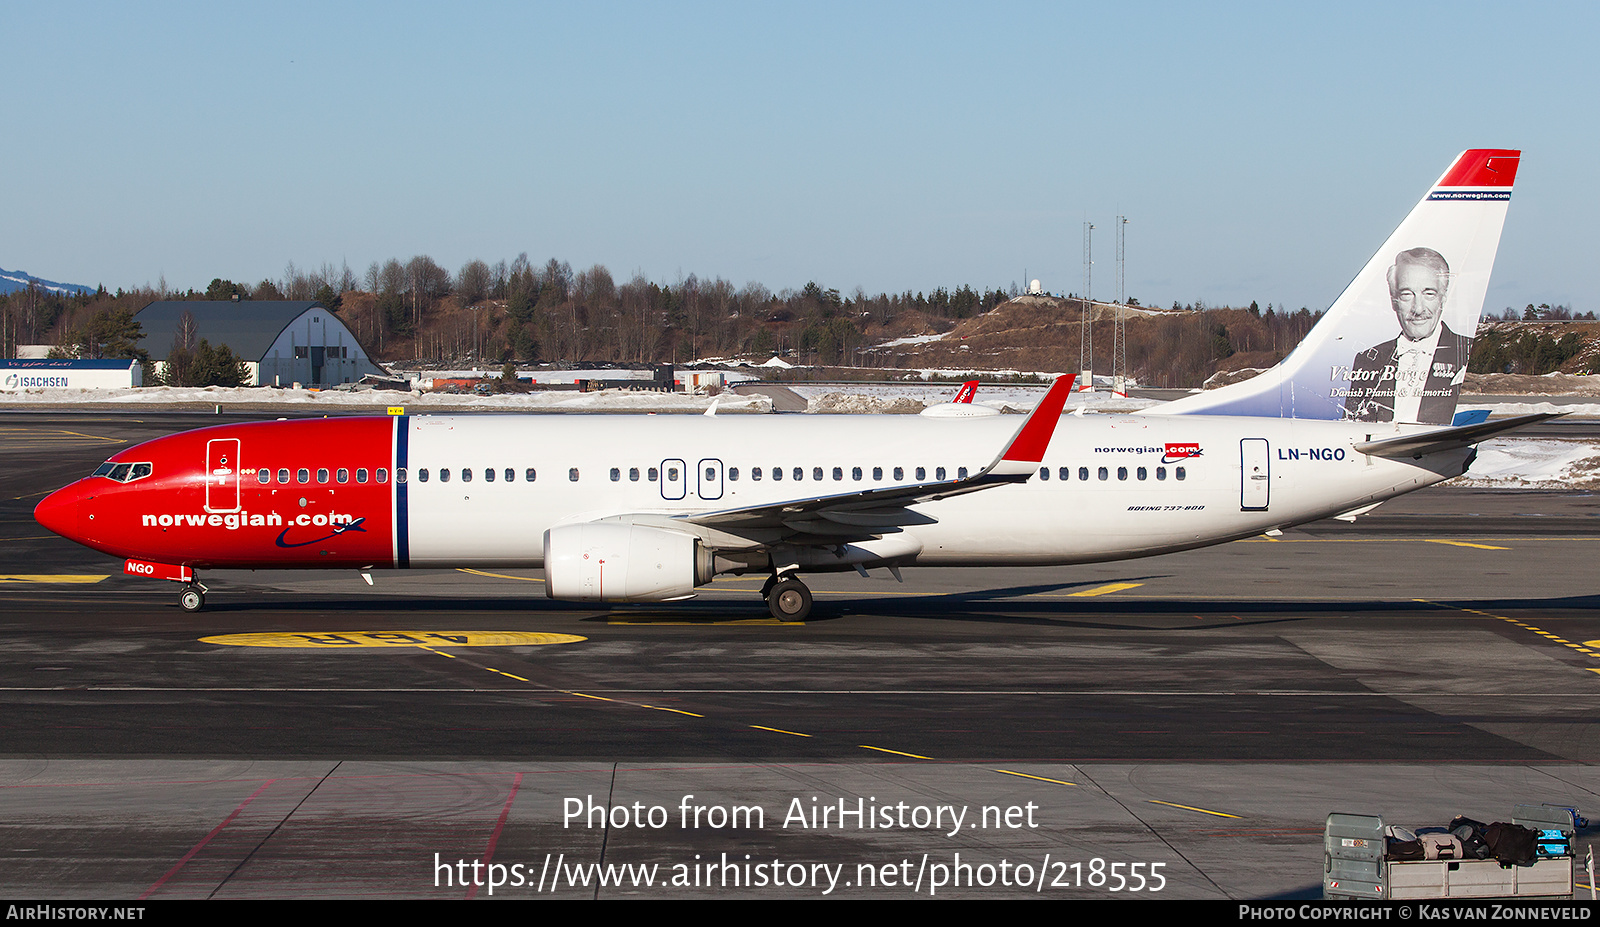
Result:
{"points": [[1447, 439], [872, 512]]}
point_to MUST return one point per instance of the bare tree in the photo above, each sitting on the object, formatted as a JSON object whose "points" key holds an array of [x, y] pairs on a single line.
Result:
{"points": [[392, 279], [474, 282]]}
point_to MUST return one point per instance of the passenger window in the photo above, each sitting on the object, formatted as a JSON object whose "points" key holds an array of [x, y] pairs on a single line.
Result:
{"points": [[1142, 473], [1104, 474], [1178, 472], [1161, 473], [711, 474], [444, 474], [938, 473], [961, 473], [877, 473], [816, 473], [1122, 473], [1044, 473], [1065, 473], [530, 474], [283, 475], [755, 473], [383, 474], [263, 476], [838, 474], [322, 474], [672, 474], [572, 474], [343, 475], [616, 475], [302, 475], [733, 473], [633, 474], [654, 474], [922, 474], [1083, 473], [361, 474], [511, 475], [800, 474], [422, 474], [488, 474], [899, 473]]}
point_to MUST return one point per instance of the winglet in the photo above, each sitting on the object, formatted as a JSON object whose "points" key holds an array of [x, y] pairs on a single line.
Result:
{"points": [[1025, 451]]}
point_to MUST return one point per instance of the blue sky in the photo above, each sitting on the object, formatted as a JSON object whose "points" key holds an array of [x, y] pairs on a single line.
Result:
{"points": [[1261, 151]]}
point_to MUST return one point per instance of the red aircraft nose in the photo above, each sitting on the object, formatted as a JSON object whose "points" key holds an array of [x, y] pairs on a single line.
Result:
{"points": [[59, 512]]}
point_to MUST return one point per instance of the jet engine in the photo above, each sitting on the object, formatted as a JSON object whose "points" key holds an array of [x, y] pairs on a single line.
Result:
{"points": [[623, 563]]}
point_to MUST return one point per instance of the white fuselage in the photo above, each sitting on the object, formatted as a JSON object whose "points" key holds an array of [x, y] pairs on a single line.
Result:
{"points": [[1113, 486]]}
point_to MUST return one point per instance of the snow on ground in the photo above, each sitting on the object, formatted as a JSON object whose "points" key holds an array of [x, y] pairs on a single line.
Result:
{"points": [[875, 397], [613, 400], [911, 339], [1576, 409], [1534, 463]]}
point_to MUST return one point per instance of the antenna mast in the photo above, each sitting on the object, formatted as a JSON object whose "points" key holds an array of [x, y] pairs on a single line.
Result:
{"points": [[1119, 335], [1086, 338]]}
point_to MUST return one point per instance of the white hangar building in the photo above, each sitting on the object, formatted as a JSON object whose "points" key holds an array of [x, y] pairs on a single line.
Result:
{"points": [[282, 342]]}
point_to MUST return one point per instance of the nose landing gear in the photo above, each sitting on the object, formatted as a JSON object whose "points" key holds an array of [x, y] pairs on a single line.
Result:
{"points": [[192, 598]]}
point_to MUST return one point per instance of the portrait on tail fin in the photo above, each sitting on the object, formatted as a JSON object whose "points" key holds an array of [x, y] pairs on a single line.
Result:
{"points": [[1416, 377]]}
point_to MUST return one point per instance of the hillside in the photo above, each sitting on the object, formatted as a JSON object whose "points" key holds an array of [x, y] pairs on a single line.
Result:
{"points": [[13, 280], [1165, 348]]}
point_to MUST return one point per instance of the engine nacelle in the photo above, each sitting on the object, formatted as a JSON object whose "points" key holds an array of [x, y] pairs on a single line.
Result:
{"points": [[623, 563]]}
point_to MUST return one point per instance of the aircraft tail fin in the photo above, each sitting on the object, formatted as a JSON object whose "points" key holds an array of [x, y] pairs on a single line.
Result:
{"points": [[1394, 346]]}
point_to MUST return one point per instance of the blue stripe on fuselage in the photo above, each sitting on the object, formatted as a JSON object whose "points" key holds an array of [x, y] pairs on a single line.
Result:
{"points": [[402, 527]]}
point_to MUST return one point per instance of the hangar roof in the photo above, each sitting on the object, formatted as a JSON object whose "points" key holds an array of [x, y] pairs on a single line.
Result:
{"points": [[247, 327]]}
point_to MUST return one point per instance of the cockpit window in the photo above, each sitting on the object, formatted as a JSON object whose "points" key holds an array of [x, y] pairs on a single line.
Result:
{"points": [[123, 472]]}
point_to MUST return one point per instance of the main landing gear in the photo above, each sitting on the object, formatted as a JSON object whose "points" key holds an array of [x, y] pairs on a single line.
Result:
{"points": [[787, 597], [192, 598]]}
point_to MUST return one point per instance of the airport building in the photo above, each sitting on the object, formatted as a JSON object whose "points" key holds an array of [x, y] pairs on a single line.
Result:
{"points": [[282, 342]]}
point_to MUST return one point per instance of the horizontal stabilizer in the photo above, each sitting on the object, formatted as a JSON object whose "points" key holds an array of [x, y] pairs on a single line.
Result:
{"points": [[1447, 439]]}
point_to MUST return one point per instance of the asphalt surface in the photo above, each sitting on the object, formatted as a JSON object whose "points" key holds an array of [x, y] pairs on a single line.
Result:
{"points": [[1203, 711]]}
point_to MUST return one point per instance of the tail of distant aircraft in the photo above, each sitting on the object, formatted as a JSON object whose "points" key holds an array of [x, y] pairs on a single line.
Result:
{"points": [[1394, 346]]}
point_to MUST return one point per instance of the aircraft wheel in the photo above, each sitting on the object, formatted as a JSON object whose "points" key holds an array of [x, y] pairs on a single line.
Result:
{"points": [[789, 600], [191, 599]]}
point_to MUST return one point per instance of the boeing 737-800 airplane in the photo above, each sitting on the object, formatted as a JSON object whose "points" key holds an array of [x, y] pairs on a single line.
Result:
{"points": [[648, 508]]}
